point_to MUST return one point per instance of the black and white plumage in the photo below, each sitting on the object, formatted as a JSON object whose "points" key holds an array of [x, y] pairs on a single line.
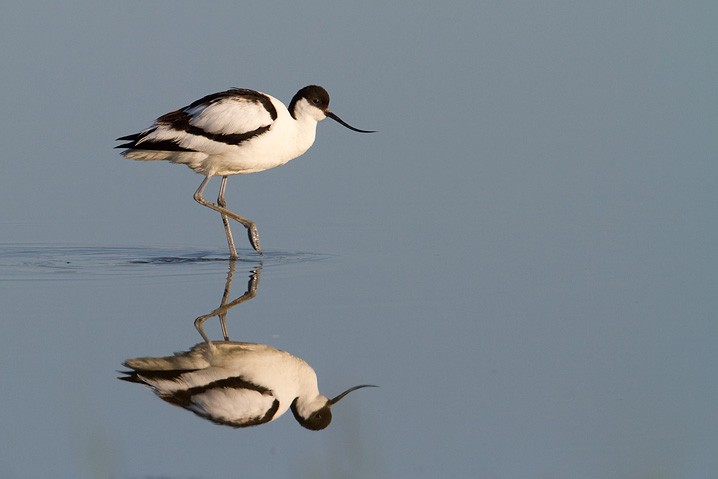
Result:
{"points": [[237, 384], [233, 132]]}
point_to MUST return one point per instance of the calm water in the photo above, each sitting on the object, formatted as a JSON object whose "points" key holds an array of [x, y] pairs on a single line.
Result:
{"points": [[473, 377], [522, 258]]}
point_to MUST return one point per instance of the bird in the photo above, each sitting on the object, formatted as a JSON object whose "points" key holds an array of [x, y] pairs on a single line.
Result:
{"points": [[237, 384], [234, 132]]}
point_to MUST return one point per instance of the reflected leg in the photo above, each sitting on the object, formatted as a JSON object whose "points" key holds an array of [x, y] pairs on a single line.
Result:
{"points": [[221, 311]]}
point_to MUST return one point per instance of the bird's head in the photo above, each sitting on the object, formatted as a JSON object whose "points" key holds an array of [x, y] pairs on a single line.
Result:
{"points": [[313, 101], [317, 414]]}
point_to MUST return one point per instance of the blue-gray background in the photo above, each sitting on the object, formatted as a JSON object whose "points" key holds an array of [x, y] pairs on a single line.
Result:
{"points": [[523, 258]]}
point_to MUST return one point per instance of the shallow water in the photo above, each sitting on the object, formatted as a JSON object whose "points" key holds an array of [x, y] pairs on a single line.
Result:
{"points": [[494, 383], [44, 261]]}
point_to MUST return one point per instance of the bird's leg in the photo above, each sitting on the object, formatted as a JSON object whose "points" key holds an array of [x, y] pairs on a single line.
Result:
{"points": [[225, 297], [249, 224], [221, 202], [198, 325], [225, 306], [251, 292]]}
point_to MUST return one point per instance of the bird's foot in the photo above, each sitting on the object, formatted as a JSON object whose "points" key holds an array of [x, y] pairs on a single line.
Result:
{"points": [[254, 238]]}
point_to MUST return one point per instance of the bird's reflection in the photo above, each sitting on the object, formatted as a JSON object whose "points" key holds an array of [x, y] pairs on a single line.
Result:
{"points": [[234, 383]]}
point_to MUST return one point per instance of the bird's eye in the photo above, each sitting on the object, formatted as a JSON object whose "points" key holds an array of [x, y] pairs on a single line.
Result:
{"points": [[315, 101]]}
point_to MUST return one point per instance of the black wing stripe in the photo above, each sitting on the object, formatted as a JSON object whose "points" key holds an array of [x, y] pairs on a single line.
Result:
{"points": [[230, 139], [183, 398], [256, 421], [179, 120]]}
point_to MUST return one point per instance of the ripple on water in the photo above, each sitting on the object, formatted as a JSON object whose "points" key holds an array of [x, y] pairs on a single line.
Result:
{"points": [[47, 262]]}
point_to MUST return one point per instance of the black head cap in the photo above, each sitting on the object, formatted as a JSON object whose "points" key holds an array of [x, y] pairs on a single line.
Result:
{"points": [[314, 94], [319, 419]]}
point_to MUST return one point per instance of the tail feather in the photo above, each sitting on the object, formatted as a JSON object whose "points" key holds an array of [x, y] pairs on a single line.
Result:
{"points": [[132, 137], [131, 377], [139, 141], [143, 376]]}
